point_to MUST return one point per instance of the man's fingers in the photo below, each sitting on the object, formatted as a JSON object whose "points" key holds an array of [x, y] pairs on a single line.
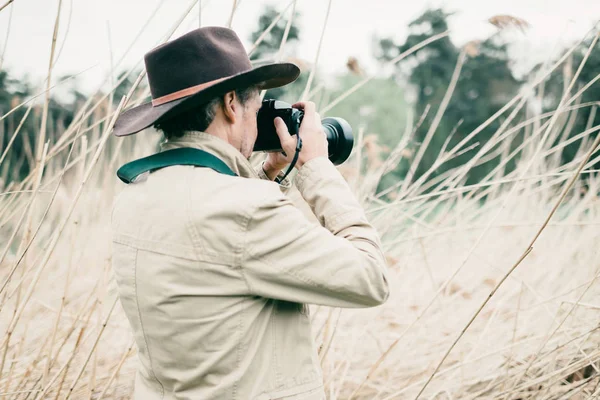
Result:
{"points": [[281, 128], [282, 131], [307, 106], [310, 115]]}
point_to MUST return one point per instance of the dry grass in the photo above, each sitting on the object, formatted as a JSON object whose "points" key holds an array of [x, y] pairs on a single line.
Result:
{"points": [[494, 300]]}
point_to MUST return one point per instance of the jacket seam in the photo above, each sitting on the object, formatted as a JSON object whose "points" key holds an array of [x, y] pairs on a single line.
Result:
{"points": [[243, 245], [201, 253], [237, 263], [239, 347], [278, 375], [137, 303], [191, 231]]}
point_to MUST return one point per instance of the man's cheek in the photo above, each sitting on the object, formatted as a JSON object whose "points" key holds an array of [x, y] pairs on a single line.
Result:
{"points": [[253, 128]]}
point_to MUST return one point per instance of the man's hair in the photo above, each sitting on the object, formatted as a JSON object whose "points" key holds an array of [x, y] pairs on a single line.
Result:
{"points": [[199, 117]]}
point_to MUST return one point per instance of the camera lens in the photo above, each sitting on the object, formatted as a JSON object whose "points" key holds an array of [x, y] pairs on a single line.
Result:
{"points": [[339, 137], [338, 131]]}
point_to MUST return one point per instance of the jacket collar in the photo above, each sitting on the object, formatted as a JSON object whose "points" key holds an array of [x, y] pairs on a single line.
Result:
{"points": [[216, 146]]}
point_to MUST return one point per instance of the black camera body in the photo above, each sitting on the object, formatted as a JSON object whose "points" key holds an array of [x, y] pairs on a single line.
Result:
{"points": [[337, 130]]}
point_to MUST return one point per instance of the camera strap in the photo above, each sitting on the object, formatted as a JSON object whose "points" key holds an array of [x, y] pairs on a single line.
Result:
{"points": [[294, 160], [186, 156], [182, 156]]}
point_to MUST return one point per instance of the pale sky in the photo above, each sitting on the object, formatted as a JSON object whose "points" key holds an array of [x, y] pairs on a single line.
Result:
{"points": [[351, 26]]}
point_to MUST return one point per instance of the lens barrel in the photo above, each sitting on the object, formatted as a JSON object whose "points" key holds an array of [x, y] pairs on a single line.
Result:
{"points": [[339, 137]]}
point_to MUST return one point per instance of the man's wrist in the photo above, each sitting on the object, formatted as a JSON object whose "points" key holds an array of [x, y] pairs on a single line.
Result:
{"points": [[270, 171]]}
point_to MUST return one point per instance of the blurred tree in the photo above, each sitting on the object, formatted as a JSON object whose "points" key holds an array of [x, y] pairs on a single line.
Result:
{"points": [[271, 42], [378, 108], [268, 49], [14, 91], [125, 84], [485, 84], [554, 88]]}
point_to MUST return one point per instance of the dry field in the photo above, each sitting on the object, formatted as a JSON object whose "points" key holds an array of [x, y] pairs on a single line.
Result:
{"points": [[490, 300]]}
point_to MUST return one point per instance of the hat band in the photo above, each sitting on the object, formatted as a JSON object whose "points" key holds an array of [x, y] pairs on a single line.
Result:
{"points": [[185, 92]]}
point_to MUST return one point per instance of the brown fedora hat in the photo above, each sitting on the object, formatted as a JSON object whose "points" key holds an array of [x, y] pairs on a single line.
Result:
{"points": [[195, 68]]}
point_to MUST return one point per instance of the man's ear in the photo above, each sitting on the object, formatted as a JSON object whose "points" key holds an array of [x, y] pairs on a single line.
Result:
{"points": [[229, 107]]}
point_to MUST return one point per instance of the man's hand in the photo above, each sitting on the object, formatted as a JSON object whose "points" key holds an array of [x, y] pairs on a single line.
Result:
{"points": [[275, 162], [314, 141]]}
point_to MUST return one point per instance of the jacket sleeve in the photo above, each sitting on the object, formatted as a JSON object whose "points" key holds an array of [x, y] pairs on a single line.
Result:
{"points": [[286, 257]]}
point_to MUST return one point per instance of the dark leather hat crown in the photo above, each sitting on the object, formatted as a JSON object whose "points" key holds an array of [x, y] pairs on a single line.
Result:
{"points": [[194, 68], [198, 57]]}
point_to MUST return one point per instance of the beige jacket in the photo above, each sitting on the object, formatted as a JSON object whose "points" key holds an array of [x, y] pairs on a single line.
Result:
{"points": [[214, 273]]}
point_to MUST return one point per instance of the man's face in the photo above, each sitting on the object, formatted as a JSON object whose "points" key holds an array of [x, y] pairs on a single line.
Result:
{"points": [[248, 129]]}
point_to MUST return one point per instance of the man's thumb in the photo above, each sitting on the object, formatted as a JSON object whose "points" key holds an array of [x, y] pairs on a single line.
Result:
{"points": [[281, 129]]}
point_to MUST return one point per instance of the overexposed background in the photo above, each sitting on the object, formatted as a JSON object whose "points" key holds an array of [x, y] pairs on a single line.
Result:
{"points": [[352, 24]]}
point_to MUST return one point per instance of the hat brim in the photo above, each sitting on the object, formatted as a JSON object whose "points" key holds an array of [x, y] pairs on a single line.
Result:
{"points": [[145, 115]]}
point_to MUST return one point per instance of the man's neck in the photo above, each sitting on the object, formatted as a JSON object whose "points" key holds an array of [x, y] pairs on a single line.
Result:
{"points": [[215, 145], [222, 132]]}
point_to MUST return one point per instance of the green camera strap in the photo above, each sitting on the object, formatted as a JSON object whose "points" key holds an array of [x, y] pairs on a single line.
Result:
{"points": [[182, 156]]}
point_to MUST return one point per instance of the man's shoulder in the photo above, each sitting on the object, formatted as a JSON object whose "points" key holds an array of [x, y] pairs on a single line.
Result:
{"points": [[245, 192], [184, 186]]}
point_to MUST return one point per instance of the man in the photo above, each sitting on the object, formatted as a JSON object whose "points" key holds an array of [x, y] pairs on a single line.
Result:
{"points": [[214, 271]]}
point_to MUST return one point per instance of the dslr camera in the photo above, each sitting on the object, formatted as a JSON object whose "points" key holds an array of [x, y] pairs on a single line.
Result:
{"points": [[338, 131]]}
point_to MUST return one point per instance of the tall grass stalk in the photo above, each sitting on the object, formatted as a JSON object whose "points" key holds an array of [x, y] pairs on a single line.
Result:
{"points": [[490, 299]]}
